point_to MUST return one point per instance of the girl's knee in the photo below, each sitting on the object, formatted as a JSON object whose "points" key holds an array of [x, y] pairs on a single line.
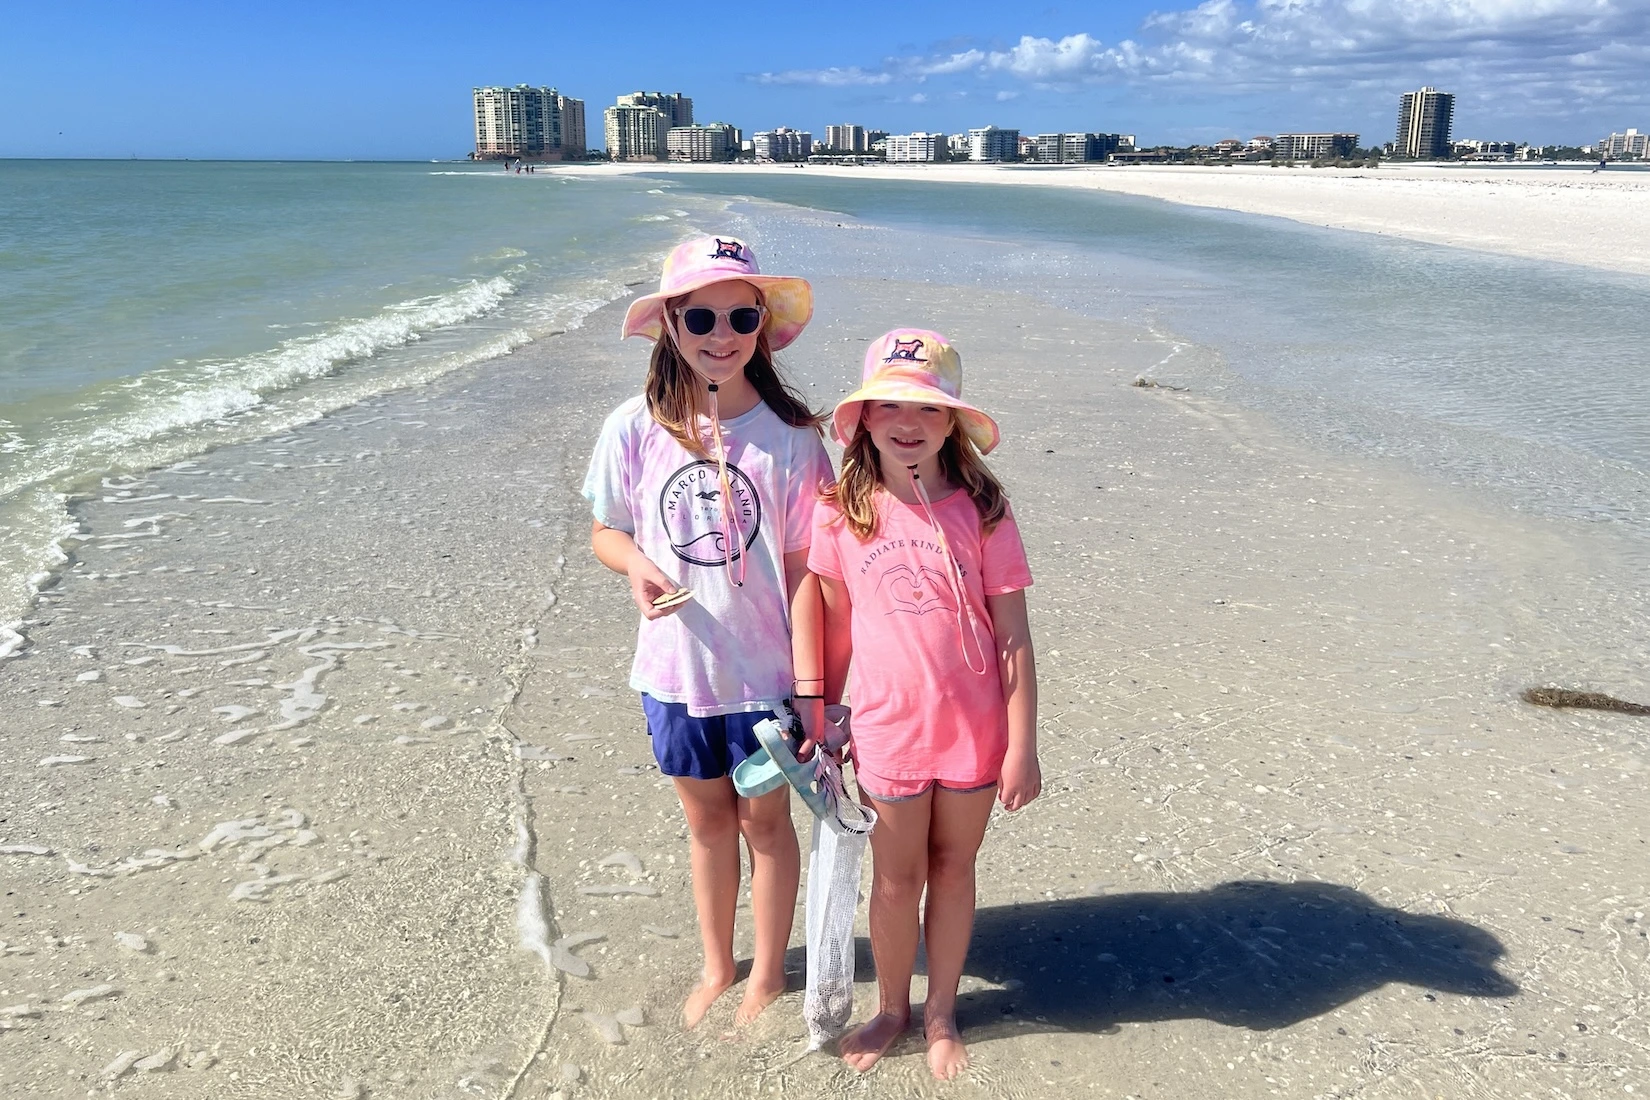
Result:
{"points": [[951, 865], [766, 822], [898, 883], [714, 829]]}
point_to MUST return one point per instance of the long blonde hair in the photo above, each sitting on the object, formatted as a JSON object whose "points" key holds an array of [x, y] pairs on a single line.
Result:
{"points": [[854, 491], [672, 389]]}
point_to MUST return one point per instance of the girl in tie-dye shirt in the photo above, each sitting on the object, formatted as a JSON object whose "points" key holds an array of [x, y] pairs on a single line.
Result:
{"points": [[702, 489]]}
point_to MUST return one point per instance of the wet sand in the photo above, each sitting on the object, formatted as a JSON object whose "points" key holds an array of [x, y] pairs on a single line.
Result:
{"points": [[1299, 837]]}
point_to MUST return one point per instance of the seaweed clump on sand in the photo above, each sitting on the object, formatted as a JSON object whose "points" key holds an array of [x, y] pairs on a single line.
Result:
{"points": [[1591, 700], [1141, 382]]}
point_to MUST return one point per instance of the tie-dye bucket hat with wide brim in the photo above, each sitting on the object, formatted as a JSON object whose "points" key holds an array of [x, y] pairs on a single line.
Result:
{"points": [[699, 263], [914, 364]]}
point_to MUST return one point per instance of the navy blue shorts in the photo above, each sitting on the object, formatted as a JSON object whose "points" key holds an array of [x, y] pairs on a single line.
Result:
{"points": [[699, 748]]}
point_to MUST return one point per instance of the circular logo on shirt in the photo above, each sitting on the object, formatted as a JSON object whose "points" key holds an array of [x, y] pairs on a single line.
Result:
{"points": [[701, 530]]}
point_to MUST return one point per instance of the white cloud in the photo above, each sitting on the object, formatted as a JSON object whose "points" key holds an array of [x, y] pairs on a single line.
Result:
{"points": [[1548, 56], [833, 77], [956, 63], [1073, 57]]}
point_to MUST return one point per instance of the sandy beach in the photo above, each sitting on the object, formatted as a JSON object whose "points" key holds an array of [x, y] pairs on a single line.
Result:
{"points": [[321, 776], [1594, 219]]}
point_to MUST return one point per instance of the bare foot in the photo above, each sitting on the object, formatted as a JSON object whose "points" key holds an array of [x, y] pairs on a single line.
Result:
{"points": [[702, 997], [947, 1056], [757, 997], [869, 1041]]}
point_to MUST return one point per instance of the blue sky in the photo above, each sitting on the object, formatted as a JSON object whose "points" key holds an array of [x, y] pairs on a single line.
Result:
{"points": [[393, 80]]}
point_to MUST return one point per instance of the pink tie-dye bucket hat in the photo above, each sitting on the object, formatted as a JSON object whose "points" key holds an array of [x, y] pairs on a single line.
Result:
{"points": [[699, 263], [914, 364]]}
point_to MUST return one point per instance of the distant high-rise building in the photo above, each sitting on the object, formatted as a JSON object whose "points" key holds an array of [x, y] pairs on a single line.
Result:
{"points": [[676, 107], [1630, 144], [635, 132], [845, 139], [716, 142], [1424, 119], [572, 127], [913, 148], [782, 143], [1313, 146], [527, 122], [988, 143], [1046, 148]]}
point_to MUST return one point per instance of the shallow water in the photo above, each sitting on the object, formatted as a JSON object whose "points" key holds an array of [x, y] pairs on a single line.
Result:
{"points": [[155, 310], [1515, 378]]}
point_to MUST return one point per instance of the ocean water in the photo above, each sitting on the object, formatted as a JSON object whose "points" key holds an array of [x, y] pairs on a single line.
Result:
{"points": [[154, 310], [1518, 379]]}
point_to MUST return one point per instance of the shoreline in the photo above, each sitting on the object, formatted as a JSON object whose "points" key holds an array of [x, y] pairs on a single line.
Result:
{"points": [[1517, 212], [1298, 836]]}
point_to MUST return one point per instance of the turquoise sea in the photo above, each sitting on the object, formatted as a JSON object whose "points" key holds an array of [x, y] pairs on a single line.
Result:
{"points": [[151, 311]]}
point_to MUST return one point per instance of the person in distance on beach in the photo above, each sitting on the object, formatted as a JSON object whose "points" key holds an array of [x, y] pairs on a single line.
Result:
{"points": [[924, 577], [703, 488]]}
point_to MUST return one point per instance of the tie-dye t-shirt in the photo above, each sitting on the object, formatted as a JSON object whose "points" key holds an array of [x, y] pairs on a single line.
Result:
{"points": [[728, 649], [919, 711]]}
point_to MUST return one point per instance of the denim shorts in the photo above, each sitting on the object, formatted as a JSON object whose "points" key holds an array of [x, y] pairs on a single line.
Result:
{"points": [[699, 748]]}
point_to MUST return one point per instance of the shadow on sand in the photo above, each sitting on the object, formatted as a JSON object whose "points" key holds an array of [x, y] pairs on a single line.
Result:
{"points": [[1260, 955]]}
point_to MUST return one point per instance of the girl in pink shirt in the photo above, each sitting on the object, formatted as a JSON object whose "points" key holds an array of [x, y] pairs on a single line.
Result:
{"points": [[923, 576]]}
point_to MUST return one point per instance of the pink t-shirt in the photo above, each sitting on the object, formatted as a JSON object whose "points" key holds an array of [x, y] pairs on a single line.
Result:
{"points": [[919, 711]]}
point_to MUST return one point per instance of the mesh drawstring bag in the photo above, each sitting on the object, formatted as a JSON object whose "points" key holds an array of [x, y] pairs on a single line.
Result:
{"points": [[835, 857]]}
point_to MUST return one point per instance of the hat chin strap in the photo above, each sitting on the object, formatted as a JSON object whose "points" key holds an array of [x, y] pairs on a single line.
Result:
{"points": [[733, 542], [953, 576]]}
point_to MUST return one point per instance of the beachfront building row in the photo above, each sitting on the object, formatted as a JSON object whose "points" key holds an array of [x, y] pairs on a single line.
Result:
{"points": [[1314, 146], [1474, 149], [1424, 119], [527, 123], [712, 143], [782, 144], [1075, 148], [1625, 146]]}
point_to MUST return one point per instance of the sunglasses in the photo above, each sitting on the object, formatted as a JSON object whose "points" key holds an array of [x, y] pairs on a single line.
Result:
{"points": [[701, 320]]}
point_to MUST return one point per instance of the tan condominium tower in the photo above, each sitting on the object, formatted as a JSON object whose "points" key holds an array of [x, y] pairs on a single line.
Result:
{"points": [[1424, 119], [638, 125], [635, 133], [528, 123], [676, 107]]}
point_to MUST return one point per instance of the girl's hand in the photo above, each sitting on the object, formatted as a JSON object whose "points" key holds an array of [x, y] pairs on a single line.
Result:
{"points": [[1022, 780], [648, 583], [812, 714]]}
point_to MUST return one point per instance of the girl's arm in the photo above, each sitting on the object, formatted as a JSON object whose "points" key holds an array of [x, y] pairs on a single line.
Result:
{"points": [[1022, 775], [807, 658], [839, 638], [617, 550]]}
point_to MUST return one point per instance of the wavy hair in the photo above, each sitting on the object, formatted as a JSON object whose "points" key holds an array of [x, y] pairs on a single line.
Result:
{"points": [[672, 389], [854, 491]]}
